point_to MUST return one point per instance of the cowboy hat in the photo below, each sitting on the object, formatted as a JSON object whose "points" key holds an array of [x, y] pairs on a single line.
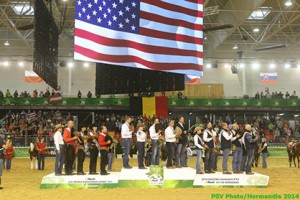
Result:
{"points": [[58, 126], [200, 127]]}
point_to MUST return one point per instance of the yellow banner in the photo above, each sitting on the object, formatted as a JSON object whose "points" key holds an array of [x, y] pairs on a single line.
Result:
{"points": [[149, 106]]}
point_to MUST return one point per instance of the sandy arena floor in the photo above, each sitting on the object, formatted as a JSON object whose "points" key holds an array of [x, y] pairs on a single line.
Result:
{"points": [[23, 183]]}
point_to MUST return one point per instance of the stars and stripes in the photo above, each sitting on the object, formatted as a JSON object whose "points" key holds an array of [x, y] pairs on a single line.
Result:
{"points": [[159, 35]]}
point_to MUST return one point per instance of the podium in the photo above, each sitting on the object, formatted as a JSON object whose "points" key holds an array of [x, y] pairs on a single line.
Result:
{"points": [[155, 177]]}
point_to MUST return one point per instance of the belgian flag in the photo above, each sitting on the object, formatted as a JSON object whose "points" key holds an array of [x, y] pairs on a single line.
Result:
{"points": [[149, 106]]}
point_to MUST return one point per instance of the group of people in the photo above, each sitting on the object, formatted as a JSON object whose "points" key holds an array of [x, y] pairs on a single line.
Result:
{"points": [[69, 143]]}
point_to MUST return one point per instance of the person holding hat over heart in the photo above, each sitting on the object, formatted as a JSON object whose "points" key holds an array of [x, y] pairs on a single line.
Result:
{"points": [[198, 141], [59, 149], [141, 138]]}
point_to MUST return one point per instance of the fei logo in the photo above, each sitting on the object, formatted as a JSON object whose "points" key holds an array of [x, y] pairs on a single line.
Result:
{"points": [[217, 196]]}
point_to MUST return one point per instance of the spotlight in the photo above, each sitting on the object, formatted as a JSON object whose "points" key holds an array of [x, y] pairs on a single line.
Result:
{"points": [[21, 64], [86, 65], [255, 65], [242, 65], [287, 65], [70, 64], [255, 30], [226, 65], [6, 63], [6, 43], [288, 3], [208, 65], [272, 66], [235, 47]]}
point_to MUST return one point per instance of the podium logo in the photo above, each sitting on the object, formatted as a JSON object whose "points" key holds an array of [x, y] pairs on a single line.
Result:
{"points": [[156, 175]]}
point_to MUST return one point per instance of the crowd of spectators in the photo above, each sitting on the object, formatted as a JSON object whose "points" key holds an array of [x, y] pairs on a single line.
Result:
{"points": [[26, 94], [275, 95]]}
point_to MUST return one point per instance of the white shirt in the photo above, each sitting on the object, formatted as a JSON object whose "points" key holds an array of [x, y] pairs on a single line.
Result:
{"points": [[205, 135], [225, 135], [170, 134], [141, 136], [153, 134], [196, 142], [125, 132], [58, 140]]}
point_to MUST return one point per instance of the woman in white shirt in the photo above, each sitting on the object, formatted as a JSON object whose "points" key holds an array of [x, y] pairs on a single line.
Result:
{"points": [[141, 138], [199, 147]]}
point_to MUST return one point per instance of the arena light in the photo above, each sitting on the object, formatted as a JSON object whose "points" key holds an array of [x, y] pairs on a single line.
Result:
{"points": [[281, 114], [242, 65], [235, 47], [70, 64], [226, 66], [255, 30], [6, 63], [86, 65], [288, 3], [272, 66], [296, 115], [208, 65], [255, 65], [287, 65], [21, 64], [6, 43]]}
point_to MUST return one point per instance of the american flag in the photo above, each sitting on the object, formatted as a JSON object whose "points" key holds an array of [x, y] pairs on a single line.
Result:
{"points": [[151, 34]]}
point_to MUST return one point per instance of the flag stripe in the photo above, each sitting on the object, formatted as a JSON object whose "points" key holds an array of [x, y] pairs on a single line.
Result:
{"points": [[170, 36], [170, 21], [186, 4], [79, 56], [124, 59], [131, 44], [172, 14], [122, 51], [173, 7], [171, 29], [195, 1], [137, 38]]}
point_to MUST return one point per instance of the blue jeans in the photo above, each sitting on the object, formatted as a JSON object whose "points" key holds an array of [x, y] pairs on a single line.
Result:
{"points": [[264, 160], [141, 153], [250, 156], [208, 163], [199, 157], [1, 166], [225, 160], [214, 158], [126, 143], [110, 160], [8, 163], [237, 159], [155, 153], [180, 157], [41, 161], [59, 160]]}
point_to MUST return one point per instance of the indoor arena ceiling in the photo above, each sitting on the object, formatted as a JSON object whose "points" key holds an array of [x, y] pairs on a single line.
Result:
{"points": [[273, 24]]}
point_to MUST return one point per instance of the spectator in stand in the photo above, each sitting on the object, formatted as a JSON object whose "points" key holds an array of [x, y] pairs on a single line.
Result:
{"points": [[294, 95], [53, 93], [276, 95], [89, 94], [262, 95], [41, 94], [41, 147], [79, 94], [287, 95], [273, 95], [1, 94], [9, 153], [47, 93], [256, 96], [16, 94], [280, 95], [34, 94], [179, 95], [7, 94]]}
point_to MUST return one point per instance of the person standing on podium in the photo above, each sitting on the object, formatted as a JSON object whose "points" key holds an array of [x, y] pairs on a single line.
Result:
{"points": [[104, 147], [141, 138], [70, 141], [154, 143], [209, 140], [126, 132]]}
